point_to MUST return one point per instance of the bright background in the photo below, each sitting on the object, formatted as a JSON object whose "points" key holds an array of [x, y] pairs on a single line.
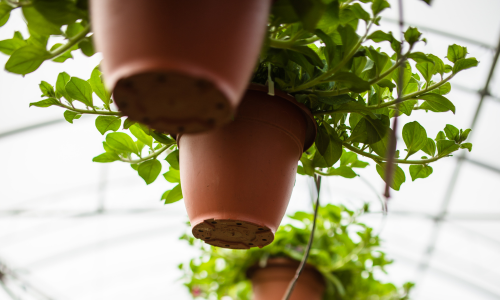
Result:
{"points": [[73, 229]]}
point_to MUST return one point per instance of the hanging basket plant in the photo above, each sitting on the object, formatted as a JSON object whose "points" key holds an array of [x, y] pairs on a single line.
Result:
{"points": [[344, 263], [313, 63]]}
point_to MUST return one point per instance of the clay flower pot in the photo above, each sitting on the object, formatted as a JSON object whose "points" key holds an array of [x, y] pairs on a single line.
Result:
{"points": [[179, 66], [237, 180], [271, 282]]}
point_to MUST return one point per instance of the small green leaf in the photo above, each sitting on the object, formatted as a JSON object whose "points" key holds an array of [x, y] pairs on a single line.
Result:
{"points": [[160, 137], [121, 142], [452, 133], [463, 64], [370, 130], [173, 176], [343, 171], [87, 46], [381, 146], [47, 89], [379, 5], [173, 159], [359, 12], [63, 57], [430, 147], [442, 90], [71, 115], [456, 52], [353, 82], [173, 195], [80, 90], [26, 60], [137, 131], [98, 86], [436, 103], [38, 23], [62, 79], [309, 12], [9, 46], [464, 135], [398, 177], [415, 137], [446, 147], [466, 146], [106, 157], [440, 136], [128, 123], [106, 123], [5, 10], [149, 170], [46, 103], [420, 57], [420, 171], [412, 35]]}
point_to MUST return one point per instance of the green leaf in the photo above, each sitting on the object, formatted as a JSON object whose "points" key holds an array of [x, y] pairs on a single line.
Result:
{"points": [[329, 45], [353, 82], [412, 35], [106, 123], [464, 135], [149, 170], [440, 136], [5, 10], [160, 137], [310, 55], [98, 87], [173, 195], [370, 130], [379, 5], [420, 171], [398, 177], [452, 133], [59, 12], [62, 79], [47, 89], [436, 103], [466, 146], [121, 142], [87, 46], [128, 123], [438, 64], [45, 103], [359, 12], [427, 70], [70, 116], [380, 36], [301, 60], [38, 23], [415, 137], [307, 166], [309, 12], [442, 90], [329, 147], [134, 166], [381, 60], [463, 64], [349, 37], [430, 147], [407, 75], [80, 90], [106, 157], [381, 146], [173, 176], [26, 59], [9, 46], [445, 147], [456, 52], [343, 171], [137, 131], [173, 159], [420, 57]]}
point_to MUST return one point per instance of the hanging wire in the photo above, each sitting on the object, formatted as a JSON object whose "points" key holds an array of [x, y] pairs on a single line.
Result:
{"points": [[291, 286], [391, 151]]}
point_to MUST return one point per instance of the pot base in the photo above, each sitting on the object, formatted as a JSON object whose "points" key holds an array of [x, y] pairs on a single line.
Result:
{"points": [[172, 102], [233, 234]]}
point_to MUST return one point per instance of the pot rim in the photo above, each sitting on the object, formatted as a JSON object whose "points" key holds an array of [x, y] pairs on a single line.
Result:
{"points": [[311, 129]]}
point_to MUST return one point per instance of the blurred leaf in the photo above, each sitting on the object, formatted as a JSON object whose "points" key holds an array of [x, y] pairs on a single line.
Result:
{"points": [[106, 157], [47, 89], [436, 103], [45, 103], [98, 87], [414, 136], [137, 131], [149, 170], [26, 59], [70, 116], [398, 177], [466, 146], [420, 171], [121, 142], [463, 64], [173, 195]]}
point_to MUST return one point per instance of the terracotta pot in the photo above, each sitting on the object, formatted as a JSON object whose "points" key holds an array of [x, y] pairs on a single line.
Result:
{"points": [[179, 66], [237, 180], [271, 282]]}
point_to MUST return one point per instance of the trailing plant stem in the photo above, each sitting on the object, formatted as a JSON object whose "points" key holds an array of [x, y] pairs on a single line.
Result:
{"points": [[150, 156], [71, 42], [90, 112], [398, 161], [291, 286]]}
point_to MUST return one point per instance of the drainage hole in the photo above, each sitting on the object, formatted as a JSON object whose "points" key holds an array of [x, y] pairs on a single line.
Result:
{"points": [[261, 228], [213, 222], [207, 238], [264, 240], [250, 244], [200, 230], [227, 245], [238, 223]]}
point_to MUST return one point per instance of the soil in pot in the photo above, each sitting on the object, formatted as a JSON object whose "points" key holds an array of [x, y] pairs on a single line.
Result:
{"points": [[237, 180], [179, 66], [271, 282]]}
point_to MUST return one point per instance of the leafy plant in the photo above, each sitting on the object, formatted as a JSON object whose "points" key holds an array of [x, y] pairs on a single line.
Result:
{"points": [[312, 51], [344, 251]]}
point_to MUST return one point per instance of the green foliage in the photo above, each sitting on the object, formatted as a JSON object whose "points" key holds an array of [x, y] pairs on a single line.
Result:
{"points": [[149, 170], [345, 251]]}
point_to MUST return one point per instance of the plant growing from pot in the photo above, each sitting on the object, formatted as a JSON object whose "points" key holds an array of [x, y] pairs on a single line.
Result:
{"points": [[321, 95], [344, 263]]}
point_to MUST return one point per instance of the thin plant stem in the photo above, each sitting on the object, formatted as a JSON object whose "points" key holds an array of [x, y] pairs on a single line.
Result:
{"points": [[152, 155], [71, 42], [291, 286]]}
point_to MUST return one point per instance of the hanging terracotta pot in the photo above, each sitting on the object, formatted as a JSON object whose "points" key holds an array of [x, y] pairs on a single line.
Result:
{"points": [[237, 180], [179, 66], [271, 282]]}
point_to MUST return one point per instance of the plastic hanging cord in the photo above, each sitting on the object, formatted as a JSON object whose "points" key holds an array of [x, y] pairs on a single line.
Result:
{"points": [[270, 82]]}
